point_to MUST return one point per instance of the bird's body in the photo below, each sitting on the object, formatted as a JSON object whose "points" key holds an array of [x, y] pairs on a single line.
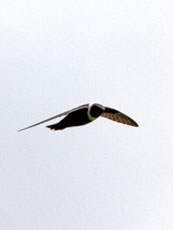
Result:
{"points": [[75, 118], [85, 114]]}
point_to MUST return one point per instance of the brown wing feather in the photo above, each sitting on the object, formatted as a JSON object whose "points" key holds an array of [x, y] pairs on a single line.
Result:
{"points": [[116, 115]]}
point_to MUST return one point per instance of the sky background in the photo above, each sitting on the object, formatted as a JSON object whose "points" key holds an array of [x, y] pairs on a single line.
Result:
{"points": [[56, 55]]}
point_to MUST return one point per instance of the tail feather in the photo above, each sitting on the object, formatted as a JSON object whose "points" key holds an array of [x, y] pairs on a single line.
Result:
{"points": [[55, 127]]}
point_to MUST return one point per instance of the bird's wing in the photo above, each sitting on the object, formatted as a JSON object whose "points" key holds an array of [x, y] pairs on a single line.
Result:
{"points": [[116, 115], [54, 117]]}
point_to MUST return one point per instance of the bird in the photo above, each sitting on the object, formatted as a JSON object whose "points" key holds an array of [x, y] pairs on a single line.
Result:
{"points": [[85, 114]]}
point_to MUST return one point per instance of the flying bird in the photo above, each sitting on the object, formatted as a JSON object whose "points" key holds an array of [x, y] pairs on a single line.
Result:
{"points": [[85, 114]]}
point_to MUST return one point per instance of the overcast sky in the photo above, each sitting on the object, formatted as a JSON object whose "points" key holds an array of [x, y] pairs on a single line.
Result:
{"points": [[56, 55]]}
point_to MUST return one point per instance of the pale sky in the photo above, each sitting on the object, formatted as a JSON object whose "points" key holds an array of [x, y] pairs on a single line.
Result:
{"points": [[56, 55]]}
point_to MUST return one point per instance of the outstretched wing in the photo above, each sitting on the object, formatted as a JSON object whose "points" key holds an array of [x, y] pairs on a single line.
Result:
{"points": [[116, 115], [54, 117]]}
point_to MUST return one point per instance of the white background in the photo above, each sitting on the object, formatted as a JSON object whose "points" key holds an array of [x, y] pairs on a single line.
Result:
{"points": [[56, 55]]}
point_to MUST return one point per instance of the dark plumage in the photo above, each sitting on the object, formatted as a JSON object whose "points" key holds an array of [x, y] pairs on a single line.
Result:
{"points": [[85, 114]]}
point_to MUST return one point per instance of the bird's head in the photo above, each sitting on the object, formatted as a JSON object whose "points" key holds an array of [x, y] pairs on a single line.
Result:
{"points": [[95, 110]]}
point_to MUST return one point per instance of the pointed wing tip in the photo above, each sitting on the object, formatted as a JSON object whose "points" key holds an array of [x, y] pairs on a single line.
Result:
{"points": [[132, 123], [136, 125], [27, 128], [20, 130]]}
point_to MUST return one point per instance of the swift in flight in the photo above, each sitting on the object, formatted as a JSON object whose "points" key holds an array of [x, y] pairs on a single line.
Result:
{"points": [[85, 114]]}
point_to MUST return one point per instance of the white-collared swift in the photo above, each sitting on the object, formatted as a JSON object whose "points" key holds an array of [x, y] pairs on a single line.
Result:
{"points": [[85, 114]]}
